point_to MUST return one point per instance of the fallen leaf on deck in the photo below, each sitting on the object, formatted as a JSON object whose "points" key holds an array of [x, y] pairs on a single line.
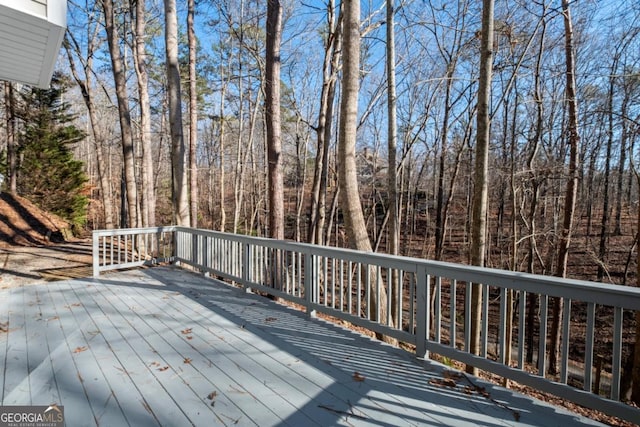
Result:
{"points": [[80, 349], [212, 395], [186, 331], [154, 364], [357, 376], [443, 382], [164, 368], [452, 375], [186, 360], [189, 337]]}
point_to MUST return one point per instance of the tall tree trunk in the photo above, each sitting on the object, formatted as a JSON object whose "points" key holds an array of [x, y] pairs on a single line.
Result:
{"points": [[331, 65], [604, 223], [124, 113], [148, 202], [86, 88], [221, 145], [178, 155], [532, 299], [392, 146], [355, 226], [572, 183], [193, 116], [479, 219], [272, 101], [12, 149]]}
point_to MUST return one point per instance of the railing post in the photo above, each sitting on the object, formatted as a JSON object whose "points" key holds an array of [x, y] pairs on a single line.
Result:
{"points": [[422, 301], [96, 254]]}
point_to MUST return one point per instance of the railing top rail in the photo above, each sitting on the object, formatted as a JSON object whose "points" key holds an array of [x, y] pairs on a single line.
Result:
{"points": [[626, 297], [130, 231]]}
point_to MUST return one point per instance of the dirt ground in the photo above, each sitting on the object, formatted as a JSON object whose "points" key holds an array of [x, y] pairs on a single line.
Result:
{"points": [[33, 247], [26, 265]]}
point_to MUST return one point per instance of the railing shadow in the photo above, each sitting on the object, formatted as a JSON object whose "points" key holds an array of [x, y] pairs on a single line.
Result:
{"points": [[367, 374]]}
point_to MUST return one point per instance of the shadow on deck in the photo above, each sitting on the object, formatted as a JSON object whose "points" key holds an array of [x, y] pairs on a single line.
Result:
{"points": [[164, 346]]}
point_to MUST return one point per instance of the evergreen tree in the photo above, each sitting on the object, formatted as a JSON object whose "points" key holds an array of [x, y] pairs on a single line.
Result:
{"points": [[49, 175]]}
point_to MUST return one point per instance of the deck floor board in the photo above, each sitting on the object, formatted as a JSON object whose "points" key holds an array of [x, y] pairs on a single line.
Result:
{"points": [[164, 346]]}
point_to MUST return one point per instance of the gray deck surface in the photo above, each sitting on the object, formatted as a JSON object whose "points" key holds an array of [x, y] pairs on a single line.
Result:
{"points": [[165, 346]]}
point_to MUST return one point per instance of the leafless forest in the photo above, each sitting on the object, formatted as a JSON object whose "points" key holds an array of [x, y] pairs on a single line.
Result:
{"points": [[222, 70]]}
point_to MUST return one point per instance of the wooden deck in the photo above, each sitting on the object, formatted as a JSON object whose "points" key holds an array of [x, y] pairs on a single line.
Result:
{"points": [[167, 347]]}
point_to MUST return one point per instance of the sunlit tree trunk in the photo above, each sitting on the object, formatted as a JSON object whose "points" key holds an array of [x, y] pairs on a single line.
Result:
{"points": [[87, 90], [392, 147], [355, 226], [178, 155], [480, 193], [272, 101], [148, 200], [331, 65], [120, 81], [572, 183], [193, 116]]}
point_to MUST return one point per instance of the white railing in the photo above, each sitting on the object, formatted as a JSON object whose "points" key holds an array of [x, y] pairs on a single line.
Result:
{"points": [[429, 304]]}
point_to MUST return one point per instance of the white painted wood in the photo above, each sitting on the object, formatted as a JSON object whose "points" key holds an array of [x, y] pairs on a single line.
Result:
{"points": [[31, 33]]}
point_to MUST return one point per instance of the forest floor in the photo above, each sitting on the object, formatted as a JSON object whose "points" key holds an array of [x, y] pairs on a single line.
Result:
{"points": [[33, 248], [36, 247]]}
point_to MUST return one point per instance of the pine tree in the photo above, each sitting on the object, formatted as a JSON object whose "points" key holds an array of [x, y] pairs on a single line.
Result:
{"points": [[49, 175]]}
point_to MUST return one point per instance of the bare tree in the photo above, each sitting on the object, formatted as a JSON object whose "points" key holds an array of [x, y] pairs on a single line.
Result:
{"points": [[355, 226], [193, 116], [120, 81], [392, 147], [148, 199], [330, 68], [87, 89], [178, 156], [480, 199], [272, 113], [571, 191]]}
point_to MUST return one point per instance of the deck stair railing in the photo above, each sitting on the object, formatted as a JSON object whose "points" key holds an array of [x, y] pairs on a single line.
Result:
{"points": [[427, 304]]}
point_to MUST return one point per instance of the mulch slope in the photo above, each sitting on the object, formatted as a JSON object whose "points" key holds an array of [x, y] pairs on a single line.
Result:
{"points": [[24, 224]]}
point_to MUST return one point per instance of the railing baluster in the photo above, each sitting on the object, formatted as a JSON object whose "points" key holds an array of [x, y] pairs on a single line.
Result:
{"points": [[389, 296], [617, 353], [467, 317], [400, 285], [522, 316], [588, 353], [437, 309], [542, 347], [349, 287], [566, 328], [502, 327], [484, 339], [378, 293], [422, 321], [333, 283], [359, 279], [452, 313], [412, 302]]}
